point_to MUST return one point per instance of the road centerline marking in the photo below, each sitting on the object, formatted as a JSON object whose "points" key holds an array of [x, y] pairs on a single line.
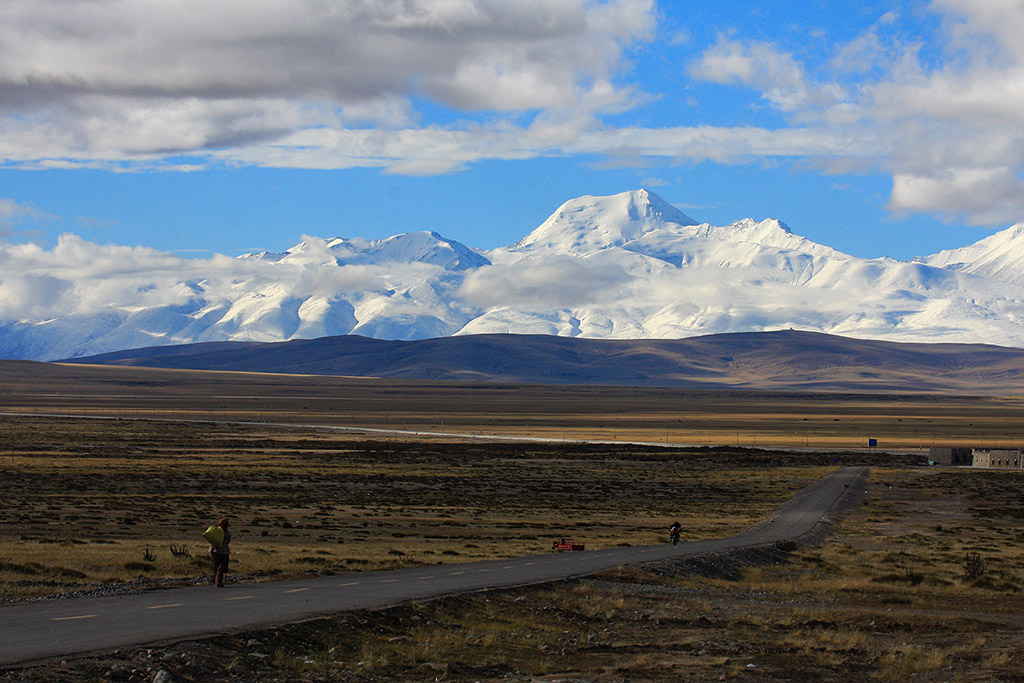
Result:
{"points": [[296, 590], [176, 604], [240, 597], [80, 616], [350, 583]]}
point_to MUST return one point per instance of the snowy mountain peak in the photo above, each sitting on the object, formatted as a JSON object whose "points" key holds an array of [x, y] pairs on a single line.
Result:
{"points": [[999, 256], [431, 248], [652, 205], [625, 266], [589, 224], [768, 225], [775, 234], [410, 247]]}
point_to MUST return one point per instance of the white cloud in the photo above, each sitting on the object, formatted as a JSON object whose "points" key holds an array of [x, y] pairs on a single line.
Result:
{"points": [[778, 75], [32, 296], [542, 284], [728, 144], [309, 84], [82, 277], [950, 130], [137, 79], [985, 195]]}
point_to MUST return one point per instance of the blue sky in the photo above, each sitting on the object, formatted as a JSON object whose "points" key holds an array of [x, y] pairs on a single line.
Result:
{"points": [[878, 128]]}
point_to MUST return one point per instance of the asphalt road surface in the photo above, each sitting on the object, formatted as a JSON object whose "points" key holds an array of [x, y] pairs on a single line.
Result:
{"points": [[53, 628]]}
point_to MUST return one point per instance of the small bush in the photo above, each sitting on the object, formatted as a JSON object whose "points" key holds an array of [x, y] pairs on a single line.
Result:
{"points": [[913, 578], [974, 567]]}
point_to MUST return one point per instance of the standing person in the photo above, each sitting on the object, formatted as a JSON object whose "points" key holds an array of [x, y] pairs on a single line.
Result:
{"points": [[221, 555]]}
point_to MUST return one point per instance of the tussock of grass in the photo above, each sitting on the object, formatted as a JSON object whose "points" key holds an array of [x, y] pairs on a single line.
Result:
{"points": [[908, 660]]}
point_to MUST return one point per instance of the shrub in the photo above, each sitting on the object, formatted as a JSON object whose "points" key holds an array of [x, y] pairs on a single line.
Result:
{"points": [[974, 567], [913, 578]]}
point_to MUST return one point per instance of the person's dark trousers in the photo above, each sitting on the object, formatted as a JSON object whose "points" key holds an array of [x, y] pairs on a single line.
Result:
{"points": [[220, 567]]}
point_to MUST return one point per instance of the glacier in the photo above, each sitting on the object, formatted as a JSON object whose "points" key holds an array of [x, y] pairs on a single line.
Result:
{"points": [[625, 266]]}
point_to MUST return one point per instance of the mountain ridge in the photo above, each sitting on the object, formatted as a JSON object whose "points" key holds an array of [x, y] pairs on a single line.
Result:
{"points": [[782, 360], [625, 266], [588, 223]]}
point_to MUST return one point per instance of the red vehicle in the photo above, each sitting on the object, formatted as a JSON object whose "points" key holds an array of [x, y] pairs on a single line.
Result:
{"points": [[566, 545]]}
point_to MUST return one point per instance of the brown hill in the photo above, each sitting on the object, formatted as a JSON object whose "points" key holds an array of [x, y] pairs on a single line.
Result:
{"points": [[782, 361]]}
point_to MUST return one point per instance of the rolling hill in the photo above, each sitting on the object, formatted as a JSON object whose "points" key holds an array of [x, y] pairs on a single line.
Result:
{"points": [[777, 361]]}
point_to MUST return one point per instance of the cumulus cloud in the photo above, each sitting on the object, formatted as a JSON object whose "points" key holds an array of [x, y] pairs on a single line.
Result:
{"points": [[542, 284], [778, 75], [470, 54], [332, 85], [32, 296], [987, 195], [949, 129], [78, 277], [116, 79]]}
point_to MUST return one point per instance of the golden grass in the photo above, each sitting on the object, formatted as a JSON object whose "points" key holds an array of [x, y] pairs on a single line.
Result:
{"points": [[667, 416], [843, 610], [96, 496]]}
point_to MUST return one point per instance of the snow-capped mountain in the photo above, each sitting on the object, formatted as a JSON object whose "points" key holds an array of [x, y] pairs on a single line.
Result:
{"points": [[590, 224], [625, 266], [411, 247], [998, 257]]}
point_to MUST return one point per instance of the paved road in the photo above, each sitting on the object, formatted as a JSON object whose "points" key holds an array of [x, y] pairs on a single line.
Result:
{"points": [[46, 629]]}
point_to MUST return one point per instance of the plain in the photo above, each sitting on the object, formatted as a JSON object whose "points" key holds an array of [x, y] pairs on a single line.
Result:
{"points": [[109, 476]]}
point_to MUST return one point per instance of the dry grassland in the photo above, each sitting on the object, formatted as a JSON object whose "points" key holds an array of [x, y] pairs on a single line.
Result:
{"points": [[667, 416], [93, 502], [921, 583]]}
